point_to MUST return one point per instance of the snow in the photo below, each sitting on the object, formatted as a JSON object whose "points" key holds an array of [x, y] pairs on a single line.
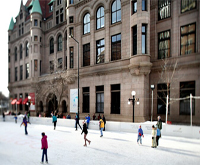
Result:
{"points": [[66, 147]]}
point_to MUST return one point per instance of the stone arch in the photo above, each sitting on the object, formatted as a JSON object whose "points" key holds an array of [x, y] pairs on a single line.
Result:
{"points": [[52, 104], [83, 12]]}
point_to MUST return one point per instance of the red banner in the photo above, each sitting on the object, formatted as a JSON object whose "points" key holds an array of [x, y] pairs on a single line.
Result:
{"points": [[32, 98]]}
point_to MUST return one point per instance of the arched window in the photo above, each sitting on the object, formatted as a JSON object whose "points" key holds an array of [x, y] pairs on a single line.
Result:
{"points": [[100, 17], [15, 53], [59, 42], [27, 49], [51, 45], [20, 51], [86, 24], [116, 11]]}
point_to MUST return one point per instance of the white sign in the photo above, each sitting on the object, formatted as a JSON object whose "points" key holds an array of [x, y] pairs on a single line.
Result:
{"points": [[74, 100]]}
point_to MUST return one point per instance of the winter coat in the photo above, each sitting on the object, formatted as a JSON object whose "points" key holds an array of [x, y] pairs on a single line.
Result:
{"points": [[44, 142], [88, 119], [84, 129], [158, 132], [101, 123], [104, 120], [154, 132], [140, 132], [159, 124], [54, 118]]}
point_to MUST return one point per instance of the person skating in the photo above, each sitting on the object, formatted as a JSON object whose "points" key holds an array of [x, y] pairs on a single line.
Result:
{"points": [[153, 133], [88, 120], [85, 134], [77, 121], [54, 120], [3, 116], [159, 127], [44, 147], [104, 120], [140, 135], [25, 122], [101, 126]]}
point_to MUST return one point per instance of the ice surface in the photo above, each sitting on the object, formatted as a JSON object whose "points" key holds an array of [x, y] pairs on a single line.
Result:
{"points": [[116, 148]]}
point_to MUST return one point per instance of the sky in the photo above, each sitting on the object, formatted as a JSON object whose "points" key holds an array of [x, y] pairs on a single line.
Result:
{"points": [[9, 9]]}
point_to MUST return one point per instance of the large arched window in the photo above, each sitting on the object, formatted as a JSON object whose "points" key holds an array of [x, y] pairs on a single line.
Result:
{"points": [[59, 42], [51, 45], [20, 51], [116, 11], [27, 49], [86, 24], [100, 17], [15, 53]]}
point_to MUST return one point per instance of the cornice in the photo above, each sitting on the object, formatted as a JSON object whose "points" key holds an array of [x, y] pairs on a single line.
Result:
{"points": [[81, 3]]}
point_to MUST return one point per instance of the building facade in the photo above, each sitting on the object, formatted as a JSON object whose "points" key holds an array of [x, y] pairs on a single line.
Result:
{"points": [[122, 45]]}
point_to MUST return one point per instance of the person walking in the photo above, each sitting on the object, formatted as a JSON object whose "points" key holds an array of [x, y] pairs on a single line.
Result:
{"points": [[159, 127], [101, 126], [88, 120], [77, 121], [153, 133], [44, 147], [140, 135], [25, 123], [104, 120], [85, 134], [54, 120]]}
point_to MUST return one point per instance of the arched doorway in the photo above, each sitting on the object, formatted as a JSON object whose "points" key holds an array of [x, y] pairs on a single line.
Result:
{"points": [[64, 107], [52, 104], [41, 106]]}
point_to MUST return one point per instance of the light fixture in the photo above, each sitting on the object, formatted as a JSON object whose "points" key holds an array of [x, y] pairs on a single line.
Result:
{"points": [[133, 93], [29, 97]]}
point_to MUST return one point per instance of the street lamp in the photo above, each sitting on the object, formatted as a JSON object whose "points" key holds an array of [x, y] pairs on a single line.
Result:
{"points": [[29, 98], [71, 36], [133, 93], [152, 88]]}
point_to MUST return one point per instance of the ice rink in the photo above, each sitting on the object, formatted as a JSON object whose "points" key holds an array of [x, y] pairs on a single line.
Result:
{"points": [[116, 148]]}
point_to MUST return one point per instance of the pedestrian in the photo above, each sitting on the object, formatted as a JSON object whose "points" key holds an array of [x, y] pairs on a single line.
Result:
{"points": [[15, 118], [101, 126], [94, 117], [54, 120], [25, 123], [157, 136], [44, 147], [3, 116], [104, 120], [153, 133], [68, 116], [88, 120], [140, 135], [85, 134], [159, 124], [77, 121]]}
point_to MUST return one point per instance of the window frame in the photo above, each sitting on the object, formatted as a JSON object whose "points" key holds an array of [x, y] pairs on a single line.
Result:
{"points": [[160, 8], [115, 44], [99, 55], [144, 34], [188, 6], [27, 49], [115, 88], [15, 54], [86, 24], [86, 99], [134, 37], [100, 18], [59, 43], [71, 56], [100, 92], [86, 54], [51, 45], [115, 12], [21, 51]]}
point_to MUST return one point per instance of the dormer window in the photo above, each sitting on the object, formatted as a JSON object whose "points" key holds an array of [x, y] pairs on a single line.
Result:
{"points": [[29, 10], [21, 15], [51, 7]]}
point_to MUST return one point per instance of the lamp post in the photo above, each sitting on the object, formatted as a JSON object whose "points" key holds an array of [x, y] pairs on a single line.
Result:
{"points": [[71, 36], [152, 88], [29, 97], [133, 93]]}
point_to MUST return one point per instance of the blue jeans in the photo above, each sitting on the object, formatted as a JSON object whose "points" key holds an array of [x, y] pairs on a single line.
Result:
{"points": [[139, 138], [44, 153], [101, 130]]}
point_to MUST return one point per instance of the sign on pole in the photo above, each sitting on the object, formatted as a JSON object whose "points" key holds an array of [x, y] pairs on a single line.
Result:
{"points": [[74, 100]]}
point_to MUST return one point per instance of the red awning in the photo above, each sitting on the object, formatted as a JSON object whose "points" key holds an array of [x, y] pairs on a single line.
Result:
{"points": [[19, 101], [13, 101], [25, 100]]}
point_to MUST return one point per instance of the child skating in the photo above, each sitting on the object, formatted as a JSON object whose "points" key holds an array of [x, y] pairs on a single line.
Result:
{"points": [[25, 122], [140, 135], [44, 147], [85, 133], [154, 132]]}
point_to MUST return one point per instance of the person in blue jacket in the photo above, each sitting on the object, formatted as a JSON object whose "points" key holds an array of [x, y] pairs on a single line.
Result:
{"points": [[140, 135], [54, 120], [88, 120]]}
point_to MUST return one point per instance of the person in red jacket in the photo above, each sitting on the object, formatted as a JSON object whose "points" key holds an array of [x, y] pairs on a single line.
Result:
{"points": [[44, 147]]}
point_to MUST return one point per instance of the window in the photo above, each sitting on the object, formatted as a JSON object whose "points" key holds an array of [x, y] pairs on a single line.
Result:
{"points": [[144, 35], [15, 53], [71, 53], [16, 72], [162, 91], [71, 1], [144, 5], [164, 44], [187, 88], [66, 62], [100, 18], [116, 47], [59, 42], [51, 45], [164, 9], [99, 99], [9, 58], [86, 24], [35, 65], [134, 6], [19, 30], [35, 22], [9, 38], [100, 50], [86, 99], [71, 19], [61, 15], [51, 7], [21, 15], [86, 55], [27, 49], [51, 64], [188, 39], [22, 28], [35, 38], [115, 99], [21, 72], [116, 11], [71, 31], [57, 17], [21, 51], [187, 5], [135, 40], [40, 67], [59, 2], [27, 70], [60, 61]]}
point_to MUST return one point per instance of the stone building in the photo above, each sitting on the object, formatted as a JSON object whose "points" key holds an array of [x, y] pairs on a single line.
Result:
{"points": [[122, 45]]}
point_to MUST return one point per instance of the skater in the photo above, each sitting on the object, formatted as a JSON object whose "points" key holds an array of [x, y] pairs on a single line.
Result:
{"points": [[94, 117], [25, 125], [159, 124], [157, 136], [101, 126], [28, 115], [77, 121], [15, 118], [104, 120], [88, 120], [54, 120], [140, 135], [85, 134], [44, 147], [153, 133], [3, 116]]}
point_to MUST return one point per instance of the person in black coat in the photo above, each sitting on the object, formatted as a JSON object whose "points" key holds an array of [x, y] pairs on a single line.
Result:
{"points": [[104, 120], [85, 133]]}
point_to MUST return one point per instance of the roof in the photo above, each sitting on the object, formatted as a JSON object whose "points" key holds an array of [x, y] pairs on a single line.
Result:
{"points": [[36, 7], [11, 26], [51, 2]]}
